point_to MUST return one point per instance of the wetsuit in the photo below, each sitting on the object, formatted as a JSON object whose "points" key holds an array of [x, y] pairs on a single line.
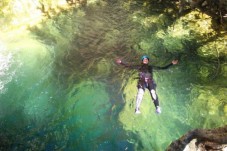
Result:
{"points": [[146, 81]]}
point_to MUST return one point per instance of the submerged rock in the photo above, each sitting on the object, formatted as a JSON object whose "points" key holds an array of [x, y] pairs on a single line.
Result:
{"points": [[201, 139]]}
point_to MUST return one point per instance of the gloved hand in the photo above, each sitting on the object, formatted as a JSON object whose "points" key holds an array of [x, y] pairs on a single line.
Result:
{"points": [[158, 110]]}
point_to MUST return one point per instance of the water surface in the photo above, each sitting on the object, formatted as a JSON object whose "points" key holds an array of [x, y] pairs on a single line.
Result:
{"points": [[61, 89]]}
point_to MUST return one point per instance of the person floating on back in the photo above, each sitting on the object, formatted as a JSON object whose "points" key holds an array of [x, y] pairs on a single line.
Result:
{"points": [[146, 81]]}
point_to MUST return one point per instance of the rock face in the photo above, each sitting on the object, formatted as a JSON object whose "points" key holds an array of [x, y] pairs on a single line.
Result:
{"points": [[201, 140]]}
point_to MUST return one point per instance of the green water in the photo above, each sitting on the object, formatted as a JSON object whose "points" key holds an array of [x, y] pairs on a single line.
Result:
{"points": [[61, 89]]}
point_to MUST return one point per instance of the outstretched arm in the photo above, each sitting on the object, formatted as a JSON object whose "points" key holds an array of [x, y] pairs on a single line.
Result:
{"points": [[174, 62], [119, 61]]}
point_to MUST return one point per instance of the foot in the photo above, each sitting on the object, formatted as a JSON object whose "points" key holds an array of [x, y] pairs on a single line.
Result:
{"points": [[158, 110], [137, 111]]}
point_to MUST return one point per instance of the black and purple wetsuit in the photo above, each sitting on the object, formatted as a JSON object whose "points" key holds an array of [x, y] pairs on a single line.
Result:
{"points": [[146, 81]]}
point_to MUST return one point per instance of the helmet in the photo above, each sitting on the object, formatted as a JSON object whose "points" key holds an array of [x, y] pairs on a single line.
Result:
{"points": [[143, 57]]}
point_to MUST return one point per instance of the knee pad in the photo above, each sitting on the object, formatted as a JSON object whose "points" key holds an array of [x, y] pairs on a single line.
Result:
{"points": [[140, 93], [153, 93]]}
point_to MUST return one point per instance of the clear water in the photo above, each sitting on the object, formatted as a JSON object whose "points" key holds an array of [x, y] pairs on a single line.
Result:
{"points": [[61, 90]]}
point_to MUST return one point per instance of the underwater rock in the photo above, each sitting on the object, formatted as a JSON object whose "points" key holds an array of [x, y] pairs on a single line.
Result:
{"points": [[201, 139]]}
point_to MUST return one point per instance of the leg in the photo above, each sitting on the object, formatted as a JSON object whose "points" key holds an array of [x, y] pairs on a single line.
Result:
{"points": [[155, 100], [154, 97], [152, 87], [139, 98]]}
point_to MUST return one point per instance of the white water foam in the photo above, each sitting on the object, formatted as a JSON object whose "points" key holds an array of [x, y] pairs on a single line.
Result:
{"points": [[6, 60]]}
